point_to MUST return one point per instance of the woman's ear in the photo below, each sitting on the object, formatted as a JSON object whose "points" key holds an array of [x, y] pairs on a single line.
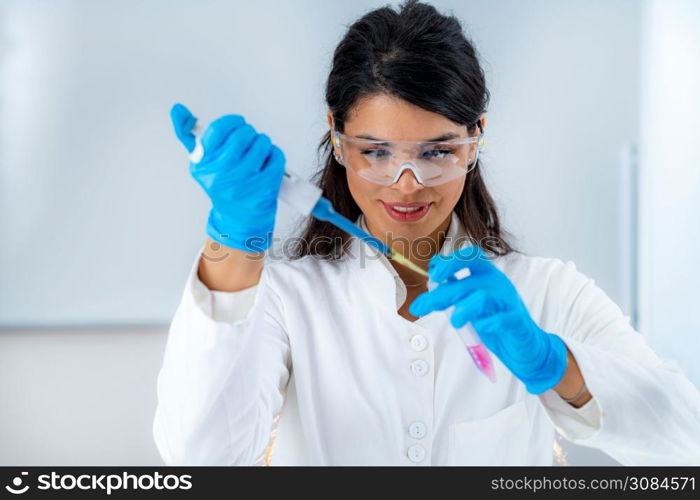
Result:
{"points": [[334, 145], [483, 121]]}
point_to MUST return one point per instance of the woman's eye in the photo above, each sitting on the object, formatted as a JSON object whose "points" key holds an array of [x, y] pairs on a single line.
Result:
{"points": [[437, 153], [375, 153]]}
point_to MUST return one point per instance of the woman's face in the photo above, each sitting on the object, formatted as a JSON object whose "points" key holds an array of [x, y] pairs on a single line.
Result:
{"points": [[389, 118]]}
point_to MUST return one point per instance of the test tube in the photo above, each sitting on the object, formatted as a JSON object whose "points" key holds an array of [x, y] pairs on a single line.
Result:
{"points": [[470, 338]]}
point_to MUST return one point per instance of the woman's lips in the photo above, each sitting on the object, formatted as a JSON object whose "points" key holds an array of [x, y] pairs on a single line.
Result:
{"points": [[417, 210]]}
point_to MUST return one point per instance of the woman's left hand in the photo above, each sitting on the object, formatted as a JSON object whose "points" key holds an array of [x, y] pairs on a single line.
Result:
{"points": [[488, 300]]}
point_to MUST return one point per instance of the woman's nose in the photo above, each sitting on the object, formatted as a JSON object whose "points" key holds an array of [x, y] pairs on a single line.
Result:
{"points": [[407, 182]]}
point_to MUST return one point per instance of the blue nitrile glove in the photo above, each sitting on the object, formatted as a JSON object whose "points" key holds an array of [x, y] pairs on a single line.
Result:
{"points": [[241, 172], [488, 300]]}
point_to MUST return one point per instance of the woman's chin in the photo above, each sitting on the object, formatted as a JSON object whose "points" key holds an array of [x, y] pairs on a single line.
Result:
{"points": [[406, 230]]}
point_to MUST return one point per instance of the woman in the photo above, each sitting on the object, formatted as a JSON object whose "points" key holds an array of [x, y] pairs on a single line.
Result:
{"points": [[340, 356]]}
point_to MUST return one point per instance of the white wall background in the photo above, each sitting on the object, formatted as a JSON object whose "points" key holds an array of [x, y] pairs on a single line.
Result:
{"points": [[670, 168], [100, 221]]}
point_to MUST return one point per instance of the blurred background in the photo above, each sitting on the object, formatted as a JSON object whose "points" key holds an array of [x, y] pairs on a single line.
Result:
{"points": [[591, 154]]}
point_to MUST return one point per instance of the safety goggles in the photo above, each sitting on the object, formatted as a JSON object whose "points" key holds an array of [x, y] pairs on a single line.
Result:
{"points": [[432, 162]]}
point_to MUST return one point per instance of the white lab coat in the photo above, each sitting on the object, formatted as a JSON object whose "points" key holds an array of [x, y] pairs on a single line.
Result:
{"points": [[316, 361]]}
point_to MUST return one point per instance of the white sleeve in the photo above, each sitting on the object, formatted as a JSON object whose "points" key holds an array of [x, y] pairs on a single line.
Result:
{"points": [[224, 375], [644, 409]]}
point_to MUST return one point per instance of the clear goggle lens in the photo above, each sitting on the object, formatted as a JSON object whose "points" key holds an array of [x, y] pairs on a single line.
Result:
{"points": [[432, 163]]}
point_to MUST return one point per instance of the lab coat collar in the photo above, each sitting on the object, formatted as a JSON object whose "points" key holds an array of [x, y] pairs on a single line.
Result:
{"points": [[377, 271]]}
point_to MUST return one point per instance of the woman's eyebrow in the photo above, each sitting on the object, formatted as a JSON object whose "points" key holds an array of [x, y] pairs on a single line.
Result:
{"points": [[444, 137]]}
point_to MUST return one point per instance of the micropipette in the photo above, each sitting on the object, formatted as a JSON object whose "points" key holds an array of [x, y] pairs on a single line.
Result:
{"points": [[306, 198]]}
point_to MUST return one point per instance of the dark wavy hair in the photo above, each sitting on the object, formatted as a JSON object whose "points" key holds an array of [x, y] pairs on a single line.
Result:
{"points": [[423, 57]]}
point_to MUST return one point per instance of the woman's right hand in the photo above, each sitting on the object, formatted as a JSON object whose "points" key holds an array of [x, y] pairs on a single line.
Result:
{"points": [[241, 172]]}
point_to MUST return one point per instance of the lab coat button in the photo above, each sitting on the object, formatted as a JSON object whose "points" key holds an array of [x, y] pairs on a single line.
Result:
{"points": [[418, 343], [417, 430], [419, 367], [416, 453]]}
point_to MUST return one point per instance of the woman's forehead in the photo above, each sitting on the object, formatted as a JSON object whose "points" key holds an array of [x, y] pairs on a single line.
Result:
{"points": [[388, 117]]}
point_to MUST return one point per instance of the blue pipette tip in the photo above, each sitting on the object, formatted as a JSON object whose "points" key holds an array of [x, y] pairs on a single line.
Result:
{"points": [[324, 210]]}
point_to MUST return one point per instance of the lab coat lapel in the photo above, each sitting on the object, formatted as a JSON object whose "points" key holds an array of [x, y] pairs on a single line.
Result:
{"points": [[369, 269], [377, 274]]}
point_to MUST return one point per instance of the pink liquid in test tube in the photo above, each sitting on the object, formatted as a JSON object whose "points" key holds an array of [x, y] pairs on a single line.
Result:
{"points": [[479, 353]]}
